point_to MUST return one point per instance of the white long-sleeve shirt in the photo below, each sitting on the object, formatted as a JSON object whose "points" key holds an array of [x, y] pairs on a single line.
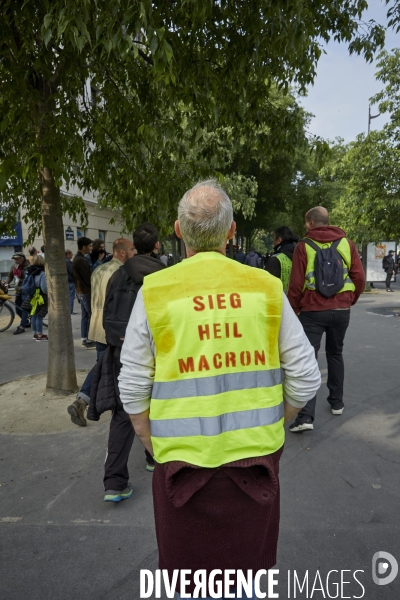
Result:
{"points": [[301, 375]]}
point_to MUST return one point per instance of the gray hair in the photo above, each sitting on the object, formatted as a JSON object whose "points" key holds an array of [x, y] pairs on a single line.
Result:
{"points": [[205, 216]]}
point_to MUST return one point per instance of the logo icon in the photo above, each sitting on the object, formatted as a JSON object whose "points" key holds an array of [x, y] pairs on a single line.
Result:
{"points": [[381, 574]]}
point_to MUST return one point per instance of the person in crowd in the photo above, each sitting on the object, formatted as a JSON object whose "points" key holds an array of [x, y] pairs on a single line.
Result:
{"points": [[116, 475], [252, 259], [240, 256], [320, 314], [82, 273], [17, 274], [71, 280], [38, 302], [42, 251], [97, 255], [122, 251], [164, 259], [32, 253], [211, 368], [389, 267], [280, 263]]}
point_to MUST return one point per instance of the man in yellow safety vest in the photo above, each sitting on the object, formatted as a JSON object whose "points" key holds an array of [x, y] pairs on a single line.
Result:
{"points": [[214, 361], [320, 314]]}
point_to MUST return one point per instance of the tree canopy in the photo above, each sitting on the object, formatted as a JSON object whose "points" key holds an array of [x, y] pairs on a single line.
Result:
{"points": [[106, 96]]}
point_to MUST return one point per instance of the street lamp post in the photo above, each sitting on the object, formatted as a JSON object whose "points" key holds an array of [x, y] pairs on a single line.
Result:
{"points": [[370, 117]]}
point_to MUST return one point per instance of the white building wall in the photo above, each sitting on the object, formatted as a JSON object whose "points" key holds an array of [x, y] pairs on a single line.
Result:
{"points": [[98, 221]]}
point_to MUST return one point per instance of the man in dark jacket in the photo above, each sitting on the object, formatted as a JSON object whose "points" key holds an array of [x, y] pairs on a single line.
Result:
{"points": [[390, 268], [280, 263], [319, 314], [82, 273], [240, 256], [116, 475], [71, 280], [18, 274], [252, 259]]}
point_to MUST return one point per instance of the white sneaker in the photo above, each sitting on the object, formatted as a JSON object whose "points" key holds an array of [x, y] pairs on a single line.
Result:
{"points": [[297, 427], [337, 411]]}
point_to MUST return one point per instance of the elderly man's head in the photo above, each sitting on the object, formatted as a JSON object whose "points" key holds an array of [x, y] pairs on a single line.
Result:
{"points": [[205, 217]]}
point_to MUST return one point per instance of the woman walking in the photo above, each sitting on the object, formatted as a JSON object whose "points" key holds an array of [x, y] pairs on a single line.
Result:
{"points": [[38, 303]]}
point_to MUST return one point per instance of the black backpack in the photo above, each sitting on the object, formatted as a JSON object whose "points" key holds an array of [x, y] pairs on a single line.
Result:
{"points": [[328, 268], [385, 263], [118, 307]]}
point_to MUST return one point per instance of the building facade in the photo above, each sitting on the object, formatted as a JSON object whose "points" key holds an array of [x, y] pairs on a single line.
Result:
{"points": [[99, 226]]}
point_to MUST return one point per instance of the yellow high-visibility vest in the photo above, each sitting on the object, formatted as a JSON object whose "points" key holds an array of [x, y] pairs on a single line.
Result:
{"points": [[217, 393], [344, 251], [286, 269]]}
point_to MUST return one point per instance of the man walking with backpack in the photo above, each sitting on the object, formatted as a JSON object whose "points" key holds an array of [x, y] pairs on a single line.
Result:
{"points": [[327, 279], [122, 290]]}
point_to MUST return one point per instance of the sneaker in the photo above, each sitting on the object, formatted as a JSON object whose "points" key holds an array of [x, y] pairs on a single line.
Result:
{"points": [[390, 291], [44, 338], [149, 468], [19, 330], [77, 412], [35, 336], [337, 411], [74, 313], [117, 496], [89, 345], [298, 427]]}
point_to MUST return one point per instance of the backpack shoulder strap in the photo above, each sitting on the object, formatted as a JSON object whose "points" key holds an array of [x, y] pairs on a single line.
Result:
{"points": [[336, 243], [311, 243]]}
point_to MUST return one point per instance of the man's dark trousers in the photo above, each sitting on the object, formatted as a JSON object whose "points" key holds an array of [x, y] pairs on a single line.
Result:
{"points": [[19, 298], [120, 440], [334, 324], [389, 274], [86, 313]]}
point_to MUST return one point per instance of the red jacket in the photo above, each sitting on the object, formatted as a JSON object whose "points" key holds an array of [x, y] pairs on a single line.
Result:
{"points": [[310, 300]]}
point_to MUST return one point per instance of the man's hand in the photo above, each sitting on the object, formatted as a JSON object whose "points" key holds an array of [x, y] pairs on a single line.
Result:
{"points": [[141, 425], [290, 411]]}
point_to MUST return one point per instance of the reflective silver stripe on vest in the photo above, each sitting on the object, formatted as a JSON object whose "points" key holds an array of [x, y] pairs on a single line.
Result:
{"points": [[218, 384], [233, 421], [348, 280]]}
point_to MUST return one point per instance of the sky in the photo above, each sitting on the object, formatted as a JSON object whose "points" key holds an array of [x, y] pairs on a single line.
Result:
{"points": [[340, 95]]}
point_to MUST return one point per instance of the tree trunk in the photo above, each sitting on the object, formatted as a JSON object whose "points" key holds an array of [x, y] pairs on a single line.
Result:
{"points": [[230, 248], [61, 374]]}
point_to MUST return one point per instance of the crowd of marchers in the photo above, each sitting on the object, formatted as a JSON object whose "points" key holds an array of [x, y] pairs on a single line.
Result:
{"points": [[205, 362]]}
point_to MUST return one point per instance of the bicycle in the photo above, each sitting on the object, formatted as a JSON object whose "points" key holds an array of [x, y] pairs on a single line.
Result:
{"points": [[7, 315]]}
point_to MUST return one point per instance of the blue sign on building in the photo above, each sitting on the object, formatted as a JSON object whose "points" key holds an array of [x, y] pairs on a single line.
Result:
{"points": [[13, 239]]}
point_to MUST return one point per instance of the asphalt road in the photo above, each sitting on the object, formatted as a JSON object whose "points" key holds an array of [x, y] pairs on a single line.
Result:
{"points": [[340, 488]]}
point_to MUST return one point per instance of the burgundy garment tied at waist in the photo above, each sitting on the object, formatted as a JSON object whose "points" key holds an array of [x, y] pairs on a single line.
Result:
{"points": [[254, 476]]}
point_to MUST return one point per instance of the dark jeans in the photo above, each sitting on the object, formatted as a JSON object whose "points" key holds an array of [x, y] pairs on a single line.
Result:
{"points": [[120, 440], [84, 392], [23, 314], [334, 324], [389, 275], [71, 289], [86, 311]]}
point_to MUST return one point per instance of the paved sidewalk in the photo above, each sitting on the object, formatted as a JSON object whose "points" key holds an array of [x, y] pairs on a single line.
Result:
{"points": [[340, 487]]}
